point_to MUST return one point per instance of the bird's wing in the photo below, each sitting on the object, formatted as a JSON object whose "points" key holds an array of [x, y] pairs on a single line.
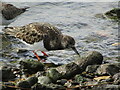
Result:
{"points": [[33, 32]]}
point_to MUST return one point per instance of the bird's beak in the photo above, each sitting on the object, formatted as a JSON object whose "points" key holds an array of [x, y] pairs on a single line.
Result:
{"points": [[75, 50]]}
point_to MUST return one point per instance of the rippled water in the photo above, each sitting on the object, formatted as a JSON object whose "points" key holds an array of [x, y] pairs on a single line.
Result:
{"points": [[72, 18]]}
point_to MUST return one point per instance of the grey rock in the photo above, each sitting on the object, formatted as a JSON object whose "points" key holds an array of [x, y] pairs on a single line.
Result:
{"points": [[79, 65], [31, 66], [24, 84], [32, 80], [62, 81], [116, 78], [7, 73], [109, 69], [44, 80], [91, 68], [6, 86], [53, 74]]}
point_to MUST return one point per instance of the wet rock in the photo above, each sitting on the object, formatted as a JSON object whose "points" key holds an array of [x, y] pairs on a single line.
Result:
{"points": [[116, 78], [47, 87], [106, 87], [78, 66], [7, 86], [113, 14], [44, 80], [68, 70], [39, 86], [100, 15], [62, 81], [91, 68], [91, 83], [31, 66], [53, 74], [78, 78], [32, 80], [55, 86], [24, 85], [7, 73], [108, 69]]}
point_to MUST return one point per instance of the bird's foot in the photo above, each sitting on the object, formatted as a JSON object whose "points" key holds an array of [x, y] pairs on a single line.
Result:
{"points": [[39, 59]]}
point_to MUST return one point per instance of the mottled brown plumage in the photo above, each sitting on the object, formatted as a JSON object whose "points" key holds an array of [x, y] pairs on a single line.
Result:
{"points": [[52, 38]]}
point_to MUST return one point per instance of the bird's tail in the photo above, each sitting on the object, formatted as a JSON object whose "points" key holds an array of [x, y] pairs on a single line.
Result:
{"points": [[12, 31]]}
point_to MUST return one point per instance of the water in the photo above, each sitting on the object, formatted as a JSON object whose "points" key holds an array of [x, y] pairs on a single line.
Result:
{"points": [[76, 19]]}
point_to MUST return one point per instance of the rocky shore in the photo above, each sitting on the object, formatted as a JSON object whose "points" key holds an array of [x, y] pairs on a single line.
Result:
{"points": [[88, 72]]}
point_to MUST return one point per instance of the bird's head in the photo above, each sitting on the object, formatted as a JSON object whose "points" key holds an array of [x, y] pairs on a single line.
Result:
{"points": [[69, 42]]}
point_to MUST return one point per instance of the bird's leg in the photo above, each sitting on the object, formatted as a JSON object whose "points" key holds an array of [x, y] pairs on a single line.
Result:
{"points": [[44, 53], [36, 55]]}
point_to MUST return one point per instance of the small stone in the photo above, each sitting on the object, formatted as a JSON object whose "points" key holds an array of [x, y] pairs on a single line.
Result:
{"points": [[32, 80], [109, 69], [62, 81], [91, 68], [78, 78], [24, 84], [44, 80], [7, 73], [31, 66], [53, 74], [116, 78], [6, 86]]}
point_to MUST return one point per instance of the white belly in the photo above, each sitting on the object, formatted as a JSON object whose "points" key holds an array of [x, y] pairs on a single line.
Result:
{"points": [[35, 46]]}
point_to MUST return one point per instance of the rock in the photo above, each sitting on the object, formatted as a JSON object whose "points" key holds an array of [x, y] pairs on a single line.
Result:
{"points": [[5, 70], [24, 84], [106, 87], [6, 86], [78, 66], [113, 14], [78, 78], [109, 69], [44, 80], [51, 86], [32, 80], [100, 15], [31, 66], [39, 86], [91, 68], [116, 78], [53, 74], [55, 87], [62, 81]]}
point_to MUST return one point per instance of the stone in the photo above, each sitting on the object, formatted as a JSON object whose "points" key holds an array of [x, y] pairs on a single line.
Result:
{"points": [[7, 73], [62, 81], [78, 78], [109, 69], [6, 86], [53, 74], [91, 68], [106, 87], [32, 80], [113, 14], [44, 80], [24, 84], [31, 66], [78, 66], [116, 78]]}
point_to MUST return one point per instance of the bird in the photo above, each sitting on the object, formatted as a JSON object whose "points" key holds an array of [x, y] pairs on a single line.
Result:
{"points": [[9, 13], [42, 36]]}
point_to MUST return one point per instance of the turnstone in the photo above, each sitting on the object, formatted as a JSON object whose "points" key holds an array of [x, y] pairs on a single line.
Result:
{"points": [[42, 36], [9, 12]]}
